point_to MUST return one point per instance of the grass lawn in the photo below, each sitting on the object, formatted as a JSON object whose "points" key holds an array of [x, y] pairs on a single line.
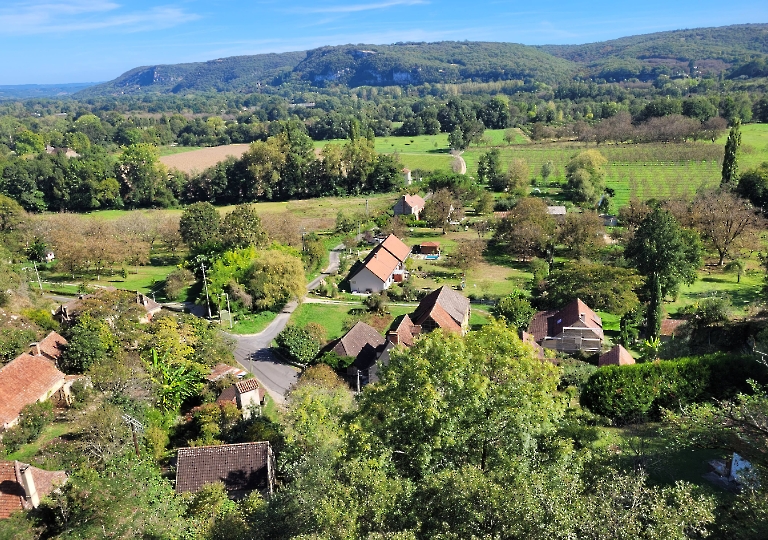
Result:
{"points": [[649, 445], [427, 162], [50, 432], [754, 145], [714, 282], [171, 150], [252, 323], [141, 278], [333, 316]]}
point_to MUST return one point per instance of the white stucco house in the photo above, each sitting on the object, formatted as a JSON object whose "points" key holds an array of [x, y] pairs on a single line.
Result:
{"points": [[383, 266]]}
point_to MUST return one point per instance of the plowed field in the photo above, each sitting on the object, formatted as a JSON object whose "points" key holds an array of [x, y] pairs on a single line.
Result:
{"points": [[199, 160]]}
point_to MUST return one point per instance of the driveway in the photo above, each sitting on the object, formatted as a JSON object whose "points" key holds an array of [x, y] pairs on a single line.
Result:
{"points": [[253, 351]]}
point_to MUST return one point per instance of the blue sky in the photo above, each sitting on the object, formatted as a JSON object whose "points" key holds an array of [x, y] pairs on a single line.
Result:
{"points": [[60, 41]]}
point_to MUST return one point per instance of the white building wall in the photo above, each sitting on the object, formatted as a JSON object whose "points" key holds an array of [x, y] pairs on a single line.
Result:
{"points": [[365, 281]]}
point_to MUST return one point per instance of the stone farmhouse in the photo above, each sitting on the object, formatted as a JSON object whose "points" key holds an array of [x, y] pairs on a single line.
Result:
{"points": [[409, 205], [22, 486]]}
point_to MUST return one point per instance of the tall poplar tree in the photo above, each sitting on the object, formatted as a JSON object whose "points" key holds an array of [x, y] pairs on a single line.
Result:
{"points": [[731, 158]]}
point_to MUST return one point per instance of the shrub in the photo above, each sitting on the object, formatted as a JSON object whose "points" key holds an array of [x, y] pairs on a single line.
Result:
{"points": [[32, 420], [639, 392], [176, 282], [298, 344]]}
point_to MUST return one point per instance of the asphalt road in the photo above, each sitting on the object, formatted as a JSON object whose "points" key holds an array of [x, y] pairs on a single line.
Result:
{"points": [[253, 351]]}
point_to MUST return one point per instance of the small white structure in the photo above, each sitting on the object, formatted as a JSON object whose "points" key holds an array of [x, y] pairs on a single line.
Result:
{"points": [[49, 256], [247, 395]]}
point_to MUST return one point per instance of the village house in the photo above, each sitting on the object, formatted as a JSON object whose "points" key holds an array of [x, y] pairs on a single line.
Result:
{"points": [[429, 248], [33, 377], [443, 308], [409, 205], [383, 266], [365, 345], [22, 486], [247, 395], [242, 468], [573, 328]]}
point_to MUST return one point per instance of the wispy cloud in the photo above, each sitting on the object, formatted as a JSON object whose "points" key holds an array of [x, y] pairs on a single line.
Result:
{"points": [[355, 8], [29, 17]]}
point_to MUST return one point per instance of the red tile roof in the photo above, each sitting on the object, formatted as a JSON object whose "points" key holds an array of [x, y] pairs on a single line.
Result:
{"points": [[222, 370], [669, 327], [406, 331], [444, 306], [551, 323], [396, 247], [381, 263], [430, 244], [12, 493], [51, 346], [24, 381], [618, 356], [414, 201], [240, 467]]}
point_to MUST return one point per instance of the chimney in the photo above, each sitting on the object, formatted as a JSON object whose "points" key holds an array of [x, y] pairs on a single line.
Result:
{"points": [[34, 349], [28, 483], [393, 337]]}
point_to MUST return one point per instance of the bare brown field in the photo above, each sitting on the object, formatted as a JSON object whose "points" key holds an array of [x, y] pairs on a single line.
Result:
{"points": [[199, 160]]}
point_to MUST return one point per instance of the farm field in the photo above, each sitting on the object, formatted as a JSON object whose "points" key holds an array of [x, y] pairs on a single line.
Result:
{"points": [[197, 160]]}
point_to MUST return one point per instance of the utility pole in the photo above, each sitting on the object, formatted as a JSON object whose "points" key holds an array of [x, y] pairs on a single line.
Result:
{"points": [[229, 310], [136, 426], [38, 275], [205, 284]]}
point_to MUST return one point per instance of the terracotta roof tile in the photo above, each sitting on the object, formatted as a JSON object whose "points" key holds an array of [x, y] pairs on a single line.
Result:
{"points": [[445, 306], [11, 492], [406, 331], [222, 370], [618, 356], [669, 327], [52, 345], [240, 467], [414, 201], [381, 263], [25, 380], [396, 247], [539, 324]]}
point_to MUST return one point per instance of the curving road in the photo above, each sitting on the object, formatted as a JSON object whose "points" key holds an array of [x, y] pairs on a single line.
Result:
{"points": [[253, 351]]}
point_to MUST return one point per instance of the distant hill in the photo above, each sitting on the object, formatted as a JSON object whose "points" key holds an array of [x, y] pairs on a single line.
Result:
{"points": [[699, 50], [674, 53], [26, 91]]}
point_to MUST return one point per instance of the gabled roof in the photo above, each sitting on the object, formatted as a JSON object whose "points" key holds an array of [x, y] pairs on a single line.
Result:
{"points": [[240, 467], [406, 331], [430, 244], [248, 385], [445, 306], [414, 201], [396, 247], [551, 323], [222, 370], [360, 338], [618, 356], [12, 493], [23, 381], [380, 262], [52, 345], [571, 314]]}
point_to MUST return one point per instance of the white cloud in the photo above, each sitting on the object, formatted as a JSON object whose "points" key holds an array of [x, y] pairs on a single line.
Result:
{"points": [[29, 17], [355, 8]]}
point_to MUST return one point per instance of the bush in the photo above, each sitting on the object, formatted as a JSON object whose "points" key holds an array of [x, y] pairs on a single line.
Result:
{"points": [[298, 344], [176, 282], [637, 393], [32, 421]]}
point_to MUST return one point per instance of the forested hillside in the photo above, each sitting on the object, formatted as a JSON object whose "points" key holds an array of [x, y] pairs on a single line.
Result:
{"points": [[704, 51]]}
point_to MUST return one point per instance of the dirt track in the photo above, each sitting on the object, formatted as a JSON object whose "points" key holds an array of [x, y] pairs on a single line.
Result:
{"points": [[199, 160]]}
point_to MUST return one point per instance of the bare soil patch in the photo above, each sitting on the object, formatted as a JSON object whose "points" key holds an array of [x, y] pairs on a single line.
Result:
{"points": [[199, 160]]}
